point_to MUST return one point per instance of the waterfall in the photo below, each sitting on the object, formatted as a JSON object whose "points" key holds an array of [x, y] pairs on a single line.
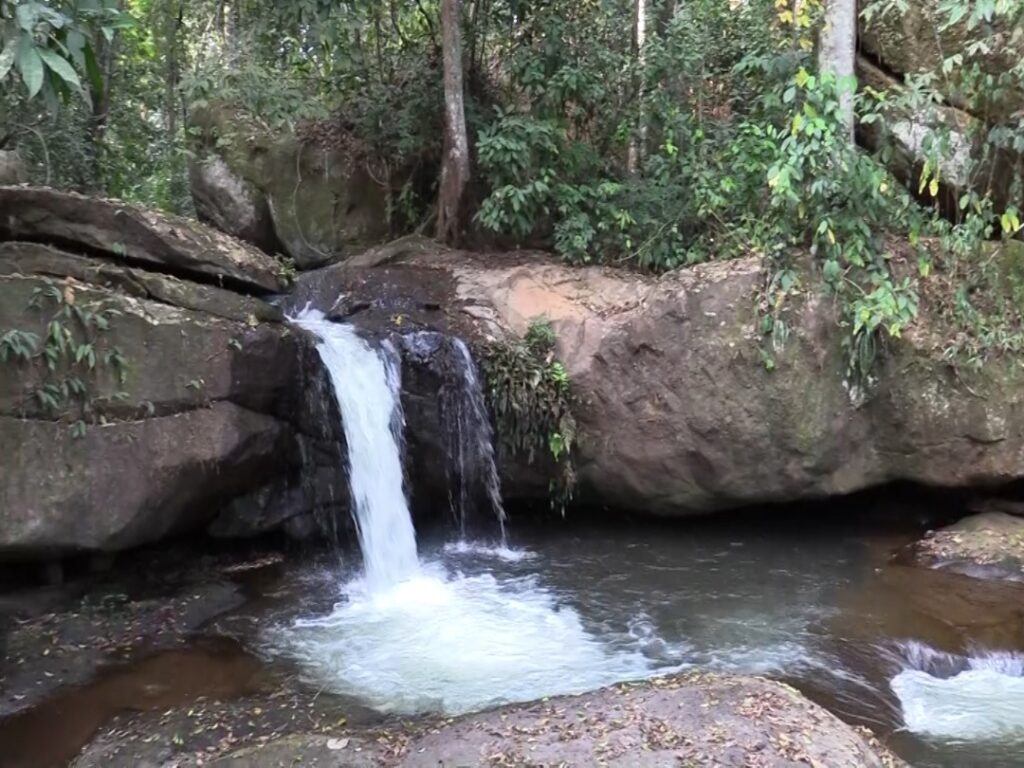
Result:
{"points": [[367, 384], [467, 434]]}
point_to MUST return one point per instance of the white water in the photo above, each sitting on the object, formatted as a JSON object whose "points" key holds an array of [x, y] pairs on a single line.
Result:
{"points": [[408, 637], [974, 698], [367, 386], [455, 645]]}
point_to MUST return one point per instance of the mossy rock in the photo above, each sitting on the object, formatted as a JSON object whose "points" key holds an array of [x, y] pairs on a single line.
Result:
{"points": [[323, 201]]}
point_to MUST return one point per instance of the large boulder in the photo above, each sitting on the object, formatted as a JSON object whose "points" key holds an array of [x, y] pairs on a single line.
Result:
{"points": [[135, 404], [919, 39], [677, 414], [12, 167], [684, 720], [321, 199], [231, 204]]}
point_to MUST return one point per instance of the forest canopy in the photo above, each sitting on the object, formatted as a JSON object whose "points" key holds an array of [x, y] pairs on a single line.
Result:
{"points": [[653, 134]]}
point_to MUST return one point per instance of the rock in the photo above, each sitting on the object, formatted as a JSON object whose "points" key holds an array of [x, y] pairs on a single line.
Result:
{"points": [[323, 201], [135, 404], [920, 38], [676, 413], [965, 165], [988, 545], [12, 167], [686, 720], [135, 236], [231, 204]]}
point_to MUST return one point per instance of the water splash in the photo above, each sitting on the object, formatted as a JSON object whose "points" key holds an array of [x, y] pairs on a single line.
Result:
{"points": [[961, 698], [367, 388]]}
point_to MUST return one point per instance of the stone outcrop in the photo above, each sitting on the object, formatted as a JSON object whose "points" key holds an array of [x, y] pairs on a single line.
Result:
{"points": [[677, 414], [668, 722], [989, 545], [139, 397], [894, 44], [312, 200]]}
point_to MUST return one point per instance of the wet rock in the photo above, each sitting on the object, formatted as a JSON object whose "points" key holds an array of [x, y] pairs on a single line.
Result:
{"points": [[989, 546]]}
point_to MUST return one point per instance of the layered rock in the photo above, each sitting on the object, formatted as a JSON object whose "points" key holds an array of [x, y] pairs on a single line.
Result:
{"points": [[310, 199], [920, 39], [138, 397], [677, 414]]}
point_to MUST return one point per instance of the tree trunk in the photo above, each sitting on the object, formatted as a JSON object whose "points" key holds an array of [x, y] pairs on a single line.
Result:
{"points": [[837, 53], [637, 143], [455, 163]]}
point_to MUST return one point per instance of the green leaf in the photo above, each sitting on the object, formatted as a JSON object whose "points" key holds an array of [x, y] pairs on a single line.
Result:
{"points": [[60, 67], [7, 57], [30, 66]]}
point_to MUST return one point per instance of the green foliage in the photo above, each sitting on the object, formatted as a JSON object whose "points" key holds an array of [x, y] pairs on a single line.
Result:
{"points": [[68, 356], [530, 396], [51, 46]]}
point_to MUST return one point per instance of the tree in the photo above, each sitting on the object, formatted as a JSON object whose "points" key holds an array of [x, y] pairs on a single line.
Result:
{"points": [[455, 161], [837, 54], [636, 143]]}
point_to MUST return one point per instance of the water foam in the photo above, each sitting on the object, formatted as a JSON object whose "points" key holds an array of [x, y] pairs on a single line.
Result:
{"points": [[961, 698], [455, 645]]}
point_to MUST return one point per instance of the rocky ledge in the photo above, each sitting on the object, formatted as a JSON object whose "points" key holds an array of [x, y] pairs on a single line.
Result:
{"points": [[145, 382], [676, 411], [690, 720]]}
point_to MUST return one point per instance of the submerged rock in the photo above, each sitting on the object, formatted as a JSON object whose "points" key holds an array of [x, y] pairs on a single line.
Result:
{"points": [[989, 545], [687, 720]]}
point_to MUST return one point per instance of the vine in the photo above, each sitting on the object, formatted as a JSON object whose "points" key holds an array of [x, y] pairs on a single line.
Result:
{"points": [[530, 395], [69, 353]]}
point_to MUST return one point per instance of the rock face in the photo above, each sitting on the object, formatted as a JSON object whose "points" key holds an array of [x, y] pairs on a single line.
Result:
{"points": [[135, 404], [696, 720], [311, 200], [919, 39], [676, 413]]}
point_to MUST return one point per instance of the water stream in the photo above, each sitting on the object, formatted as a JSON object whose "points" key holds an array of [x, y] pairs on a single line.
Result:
{"points": [[470, 626], [367, 386]]}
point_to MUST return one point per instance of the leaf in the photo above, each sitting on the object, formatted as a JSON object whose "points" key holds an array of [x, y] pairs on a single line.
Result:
{"points": [[30, 66], [7, 57], [61, 67], [933, 188]]}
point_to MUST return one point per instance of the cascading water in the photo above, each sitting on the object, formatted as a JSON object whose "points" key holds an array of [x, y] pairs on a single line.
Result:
{"points": [[466, 425], [978, 697], [367, 387], [411, 636]]}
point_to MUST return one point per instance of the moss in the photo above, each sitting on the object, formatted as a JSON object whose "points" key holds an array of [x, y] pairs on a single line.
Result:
{"points": [[529, 394]]}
